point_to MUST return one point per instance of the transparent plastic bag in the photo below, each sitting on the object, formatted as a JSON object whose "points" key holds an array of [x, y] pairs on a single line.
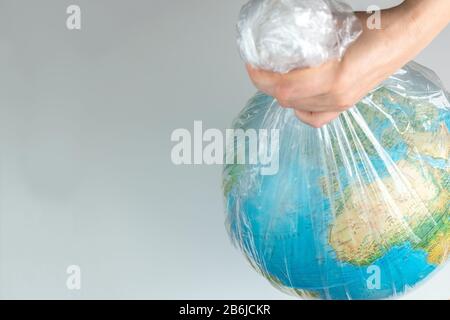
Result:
{"points": [[281, 35], [360, 208]]}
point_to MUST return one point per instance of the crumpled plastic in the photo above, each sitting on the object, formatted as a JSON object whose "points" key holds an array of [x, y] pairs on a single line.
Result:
{"points": [[360, 208], [281, 35]]}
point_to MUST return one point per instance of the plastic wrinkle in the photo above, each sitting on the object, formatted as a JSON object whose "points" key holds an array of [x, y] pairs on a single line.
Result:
{"points": [[281, 35]]}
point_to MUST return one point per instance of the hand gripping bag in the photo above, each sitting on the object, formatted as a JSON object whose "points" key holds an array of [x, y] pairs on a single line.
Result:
{"points": [[358, 209]]}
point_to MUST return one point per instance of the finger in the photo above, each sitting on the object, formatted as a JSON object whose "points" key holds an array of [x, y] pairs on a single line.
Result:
{"points": [[306, 83], [322, 103], [316, 119], [265, 81]]}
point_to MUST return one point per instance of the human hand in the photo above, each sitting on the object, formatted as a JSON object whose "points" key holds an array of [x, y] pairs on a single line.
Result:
{"points": [[319, 95]]}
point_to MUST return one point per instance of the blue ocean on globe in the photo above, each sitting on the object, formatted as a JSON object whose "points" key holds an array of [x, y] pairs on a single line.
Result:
{"points": [[359, 209]]}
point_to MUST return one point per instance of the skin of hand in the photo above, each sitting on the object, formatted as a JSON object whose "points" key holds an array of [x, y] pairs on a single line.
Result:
{"points": [[319, 95]]}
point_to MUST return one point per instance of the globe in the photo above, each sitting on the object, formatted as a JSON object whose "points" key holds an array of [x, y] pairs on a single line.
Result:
{"points": [[358, 209]]}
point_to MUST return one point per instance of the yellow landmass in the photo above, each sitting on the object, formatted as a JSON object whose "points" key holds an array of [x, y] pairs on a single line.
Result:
{"points": [[385, 212], [306, 294], [434, 144], [439, 249]]}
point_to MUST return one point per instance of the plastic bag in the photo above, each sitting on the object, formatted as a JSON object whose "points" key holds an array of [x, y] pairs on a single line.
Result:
{"points": [[360, 208], [283, 35]]}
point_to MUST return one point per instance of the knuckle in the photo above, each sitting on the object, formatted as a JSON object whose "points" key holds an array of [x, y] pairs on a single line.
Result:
{"points": [[341, 91], [283, 103], [284, 94], [343, 101]]}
